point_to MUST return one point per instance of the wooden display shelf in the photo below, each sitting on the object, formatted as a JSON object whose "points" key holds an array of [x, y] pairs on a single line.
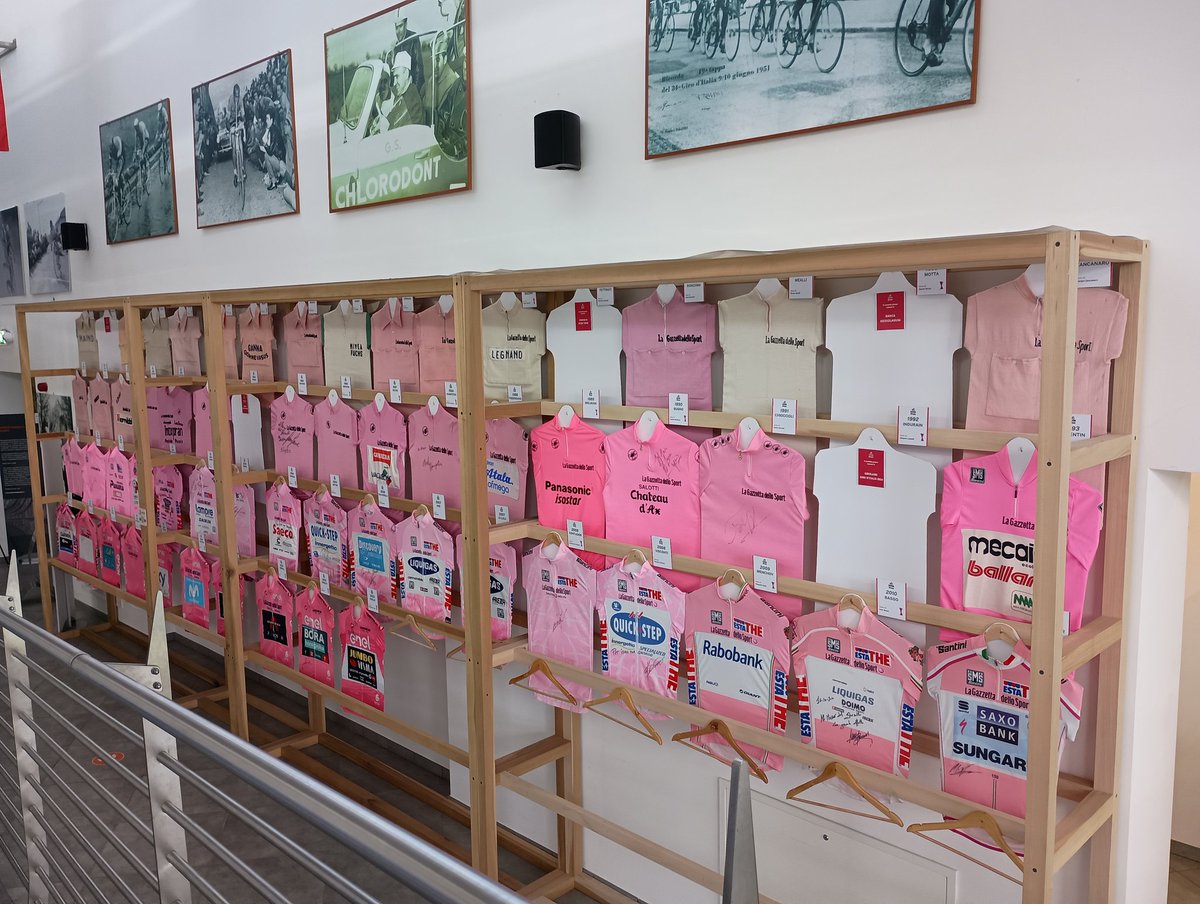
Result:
{"points": [[54, 372], [103, 586], [82, 507], [47, 437], [179, 538], [331, 293], [398, 503], [174, 615], [160, 458], [177, 381], [320, 391], [1100, 450]]}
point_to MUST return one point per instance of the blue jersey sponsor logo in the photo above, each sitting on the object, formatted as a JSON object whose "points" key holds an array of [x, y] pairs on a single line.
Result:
{"points": [[422, 565], [630, 627]]}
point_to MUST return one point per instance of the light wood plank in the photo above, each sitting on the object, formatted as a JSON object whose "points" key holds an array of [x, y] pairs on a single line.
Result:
{"points": [[1090, 641], [36, 478], [1099, 450], [1077, 827], [534, 756]]}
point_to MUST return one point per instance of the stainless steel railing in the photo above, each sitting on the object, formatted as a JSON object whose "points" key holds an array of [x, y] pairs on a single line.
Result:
{"points": [[81, 822]]}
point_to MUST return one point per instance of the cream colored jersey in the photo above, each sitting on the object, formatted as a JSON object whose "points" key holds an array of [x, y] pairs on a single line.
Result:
{"points": [[514, 343], [347, 348], [156, 337], [85, 336]]}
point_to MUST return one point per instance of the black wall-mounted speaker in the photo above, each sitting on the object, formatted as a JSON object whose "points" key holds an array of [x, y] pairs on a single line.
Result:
{"points": [[556, 140], [74, 236]]}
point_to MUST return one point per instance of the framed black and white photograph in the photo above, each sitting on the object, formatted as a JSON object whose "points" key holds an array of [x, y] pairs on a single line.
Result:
{"points": [[12, 268], [244, 126], [139, 175], [49, 267], [723, 72], [398, 103]]}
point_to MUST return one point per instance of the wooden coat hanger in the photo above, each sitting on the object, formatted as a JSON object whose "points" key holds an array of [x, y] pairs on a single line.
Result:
{"points": [[553, 538], [421, 511], [622, 695], [737, 579], [541, 667], [983, 822], [634, 555], [1001, 631], [422, 639], [836, 770], [718, 727], [852, 601]]}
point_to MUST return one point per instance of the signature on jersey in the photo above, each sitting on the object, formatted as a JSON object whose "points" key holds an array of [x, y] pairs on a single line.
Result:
{"points": [[856, 738], [963, 769], [666, 462], [741, 527]]}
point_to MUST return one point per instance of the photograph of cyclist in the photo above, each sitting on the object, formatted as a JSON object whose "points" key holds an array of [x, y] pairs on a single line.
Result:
{"points": [[246, 143], [138, 167], [728, 71], [12, 270], [49, 268]]}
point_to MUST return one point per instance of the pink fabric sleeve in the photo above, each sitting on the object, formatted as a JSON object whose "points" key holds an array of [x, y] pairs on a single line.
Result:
{"points": [[971, 326], [710, 329], [1116, 335], [1084, 517], [798, 486]]}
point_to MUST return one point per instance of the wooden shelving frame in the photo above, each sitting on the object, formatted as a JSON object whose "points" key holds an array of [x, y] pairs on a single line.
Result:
{"points": [[1049, 842]]}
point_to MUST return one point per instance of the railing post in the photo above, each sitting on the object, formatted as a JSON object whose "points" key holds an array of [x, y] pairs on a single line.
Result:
{"points": [[24, 740], [741, 865]]}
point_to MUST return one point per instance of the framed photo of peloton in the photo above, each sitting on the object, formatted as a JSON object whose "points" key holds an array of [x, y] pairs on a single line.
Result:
{"points": [[398, 104], [244, 128], [49, 266], [724, 72], [138, 166]]}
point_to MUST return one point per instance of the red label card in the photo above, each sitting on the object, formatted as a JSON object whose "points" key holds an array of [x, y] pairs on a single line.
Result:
{"points": [[889, 310], [870, 467], [245, 404], [107, 325], [583, 317]]}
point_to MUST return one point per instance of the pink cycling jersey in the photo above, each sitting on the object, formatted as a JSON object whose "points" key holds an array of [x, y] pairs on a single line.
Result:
{"points": [[569, 474], [325, 525], [293, 427], [433, 451], [184, 336], [436, 359], [752, 503], [507, 466], [108, 559], [364, 645], [988, 521], [95, 475], [641, 621], [243, 520], [284, 527], [425, 570], [100, 391], [653, 490], [858, 682], [382, 442], [135, 561], [302, 340], [394, 348], [982, 692], [668, 348], [73, 463], [170, 418], [87, 530], [258, 342], [81, 402], [68, 537], [197, 586], [122, 408], [168, 498], [276, 607], [737, 665], [560, 591], [202, 422], [202, 505], [122, 469], [337, 442], [502, 574], [315, 619], [372, 562]]}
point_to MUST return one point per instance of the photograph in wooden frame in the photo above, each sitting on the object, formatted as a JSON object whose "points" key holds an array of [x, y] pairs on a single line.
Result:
{"points": [[398, 104], [138, 166], [726, 72]]}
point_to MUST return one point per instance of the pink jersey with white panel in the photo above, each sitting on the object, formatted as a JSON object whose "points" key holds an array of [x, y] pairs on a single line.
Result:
{"points": [[653, 490], [276, 607], [372, 563], [168, 498], [753, 503], [364, 644], [561, 599], [81, 402], [507, 466], [135, 561], [382, 442], [95, 475], [197, 586], [502, 574], [983, 707], [88, 532], [988, 522], [293, 432], [202, 505], [737, 654], [641, 623], [337, 442], [433, 451], [284, 526], [100, 391], [170, 418], [108, 558], [569, 474], [122, 469], [858, 683], [668, 348], [394, 348], [425, 572], [326, 526], [314, 616], [73, 463], [68, 537]]}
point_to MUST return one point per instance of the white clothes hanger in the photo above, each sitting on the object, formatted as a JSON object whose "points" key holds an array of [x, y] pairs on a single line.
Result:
{"points": [[665, 293], [380, 401], [392, 302], [646, 425], [871, 439], [290, 392], [1020, 454], [566, 415], [768, 287], [445, 302], [583, 295], [334, 401], [508, 300], [434, 404], [550, 546], [1035, 278], [344, 306], [893, 281], [301, 308], [748, 428]]}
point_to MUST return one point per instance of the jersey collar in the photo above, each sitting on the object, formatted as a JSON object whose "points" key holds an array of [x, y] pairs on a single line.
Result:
{"points": [[659, 427], [1005, 465]]}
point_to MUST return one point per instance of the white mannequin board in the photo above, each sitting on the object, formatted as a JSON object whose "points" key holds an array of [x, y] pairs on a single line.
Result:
{"points": [[585, 340], [245, 412], [874, 520], [892, 351]]}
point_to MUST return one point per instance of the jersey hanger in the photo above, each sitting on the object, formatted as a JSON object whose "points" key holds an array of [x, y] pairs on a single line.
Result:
{"points": [[566, 415], [445, 302], [334, 401], [768, 287], [647, 424], [1035, 278], [748, 428], [290, 392], [583, 295], [508, 300], [344, 306], [380, 401], [893, 281], [1020, 454], [433, 404], [665, 293]]}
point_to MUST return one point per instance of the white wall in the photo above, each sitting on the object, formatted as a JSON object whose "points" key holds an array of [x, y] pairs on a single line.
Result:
{"points": [[1085, 119]]}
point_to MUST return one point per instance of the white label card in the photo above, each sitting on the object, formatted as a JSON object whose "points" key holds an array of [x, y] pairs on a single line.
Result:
{"points": [[514, 393], [281, 569], [912, 425], [140, 518], [693, 291], [800, 288], [529, 299], [346, 388], [227, 310], [292, 476], [381, 491], [153, 371], [302, 384], [104, 372], [765, 574], [575, 534], [323, 582], [395, 392], [112, 513], [179, 372], [605, 296], [891, 598], [372, 599], [312, 307], [245, 464], [451, 394], [91, 507], [660, 547], [172, 448], [406, 304], [677, 411], [254, 377], [1095, 274], [591, 403], [210, 459], [335, 485], [439, 506], [356, 305], [502, 514], [121, 443], [1081, 427], [201, 544], [783, 416], [931, 282]]}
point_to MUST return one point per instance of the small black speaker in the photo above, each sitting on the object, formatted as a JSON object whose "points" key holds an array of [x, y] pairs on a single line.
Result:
{"points": [[556, 140], [74, 236]]}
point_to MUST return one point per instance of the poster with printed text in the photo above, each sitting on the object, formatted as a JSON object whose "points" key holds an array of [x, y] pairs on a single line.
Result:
{"points": [[138, 166]]}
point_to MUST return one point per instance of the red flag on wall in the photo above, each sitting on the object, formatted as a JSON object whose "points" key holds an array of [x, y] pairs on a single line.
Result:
{"points": [[3, 122]]}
